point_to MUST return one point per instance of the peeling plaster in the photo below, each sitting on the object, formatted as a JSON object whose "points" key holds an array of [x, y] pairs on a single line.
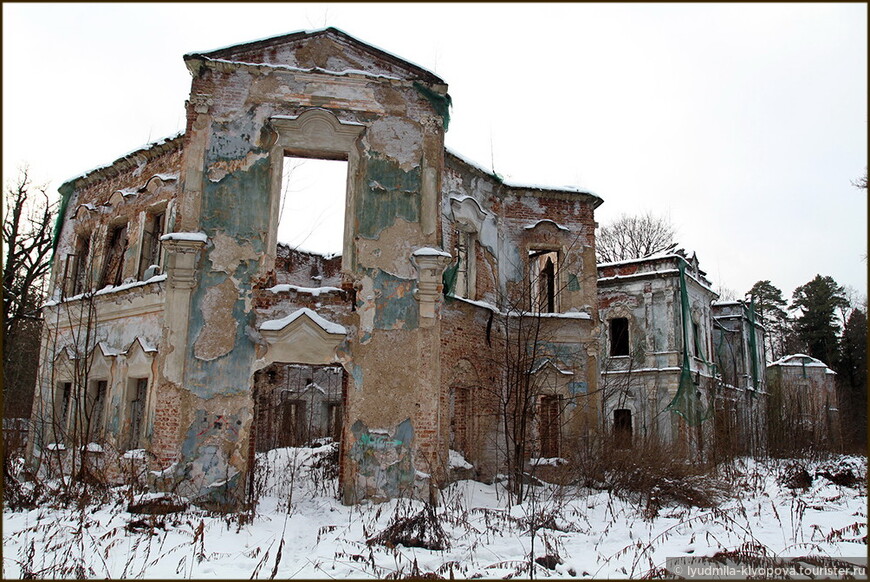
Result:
{"points": [[220, 170], [402, 138], [213, 340], [384, 460], [390, 193], [212, 447], [228, 253], [392, 249]]}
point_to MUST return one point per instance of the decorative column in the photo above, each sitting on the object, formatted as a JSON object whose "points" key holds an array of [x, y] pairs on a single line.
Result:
{"points": [[430, 264], [183, 250]]}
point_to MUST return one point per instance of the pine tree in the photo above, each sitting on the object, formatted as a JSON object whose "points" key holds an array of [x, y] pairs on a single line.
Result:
{"points": [[817, 326], [852, 376], [769, 306]]}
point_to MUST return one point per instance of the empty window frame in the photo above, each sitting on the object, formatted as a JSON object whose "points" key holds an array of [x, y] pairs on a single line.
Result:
{"points": [[62, 405], [543, 277], [155, 227], [619, 336], [464, 251], [78, 277], [96, 404], [137, 394], [622, 429], [549, 426], [113, 264], [312, 208]]}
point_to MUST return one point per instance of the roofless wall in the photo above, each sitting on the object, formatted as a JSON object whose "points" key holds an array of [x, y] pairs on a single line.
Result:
{"points": [[320, 95]]}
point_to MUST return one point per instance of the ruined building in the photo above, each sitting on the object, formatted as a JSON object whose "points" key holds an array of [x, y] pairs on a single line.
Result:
{"points": [[677, 367], [656, 321], [803, 403], [181, 337], [739, 348]]}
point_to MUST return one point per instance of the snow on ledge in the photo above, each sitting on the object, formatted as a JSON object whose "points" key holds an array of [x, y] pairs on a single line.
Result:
{"points": [[801, 360], [315, 291], [190, 236], [430, 252], [325, 324], [108, 289], [516, 313]]}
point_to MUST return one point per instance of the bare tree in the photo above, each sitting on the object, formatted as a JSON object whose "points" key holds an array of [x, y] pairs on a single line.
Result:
{"points": [[27, 242], [634, 237]]}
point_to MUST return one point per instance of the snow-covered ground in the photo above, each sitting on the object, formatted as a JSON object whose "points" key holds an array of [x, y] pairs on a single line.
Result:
{"points": [[300, 530]]}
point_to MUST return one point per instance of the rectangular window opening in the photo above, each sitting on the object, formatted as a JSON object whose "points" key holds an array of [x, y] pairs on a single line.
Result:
{"points": [[96, 404], [312, 206], [464, 252], [622, 429], [62, 406], [150, 260], [619, 336], [550, 426], [77, 275], [137, 393], [116, 247], [543, 271]]}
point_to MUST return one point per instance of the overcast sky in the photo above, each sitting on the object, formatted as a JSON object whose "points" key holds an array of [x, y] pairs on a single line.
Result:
{"points": [[743, 123]]}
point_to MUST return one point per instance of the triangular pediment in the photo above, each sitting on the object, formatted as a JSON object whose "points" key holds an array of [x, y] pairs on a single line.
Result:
{"points": [[329, 49], [302, 337]]}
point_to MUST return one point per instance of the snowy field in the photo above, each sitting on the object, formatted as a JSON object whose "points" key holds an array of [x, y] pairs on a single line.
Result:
{"points": [[300, 530]]}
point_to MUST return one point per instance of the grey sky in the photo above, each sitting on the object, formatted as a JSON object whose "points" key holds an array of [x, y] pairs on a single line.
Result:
{"points": [[744, 123]]}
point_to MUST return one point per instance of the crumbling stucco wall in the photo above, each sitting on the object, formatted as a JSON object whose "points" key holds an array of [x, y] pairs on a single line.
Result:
{"points": [[242, 118], [646, 292], [99, 331]]}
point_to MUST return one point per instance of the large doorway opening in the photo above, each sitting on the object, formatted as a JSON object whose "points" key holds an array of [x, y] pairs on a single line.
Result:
{"points": [[298, 405], [312, 205]]}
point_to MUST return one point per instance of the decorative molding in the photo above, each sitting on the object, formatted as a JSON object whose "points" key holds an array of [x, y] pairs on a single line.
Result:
{"points": [[181, 259], [430, 267], [316, 129]]}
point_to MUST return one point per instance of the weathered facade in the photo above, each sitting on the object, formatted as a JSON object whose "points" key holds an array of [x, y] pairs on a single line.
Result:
{"points": [[656, 345], [803, 402], [179, 331], [739, 348]]}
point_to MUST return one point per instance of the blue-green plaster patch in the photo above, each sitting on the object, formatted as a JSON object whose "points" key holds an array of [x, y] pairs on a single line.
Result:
{"points": [[562, 354], [395, 305], [389, 193], [356, 372], [383, 461], [573, 282], [238, 206]]}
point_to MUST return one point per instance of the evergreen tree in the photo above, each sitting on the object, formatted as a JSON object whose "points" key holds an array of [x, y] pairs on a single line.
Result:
{"points": [[817, 325], [769, 306], [852, 376]]}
